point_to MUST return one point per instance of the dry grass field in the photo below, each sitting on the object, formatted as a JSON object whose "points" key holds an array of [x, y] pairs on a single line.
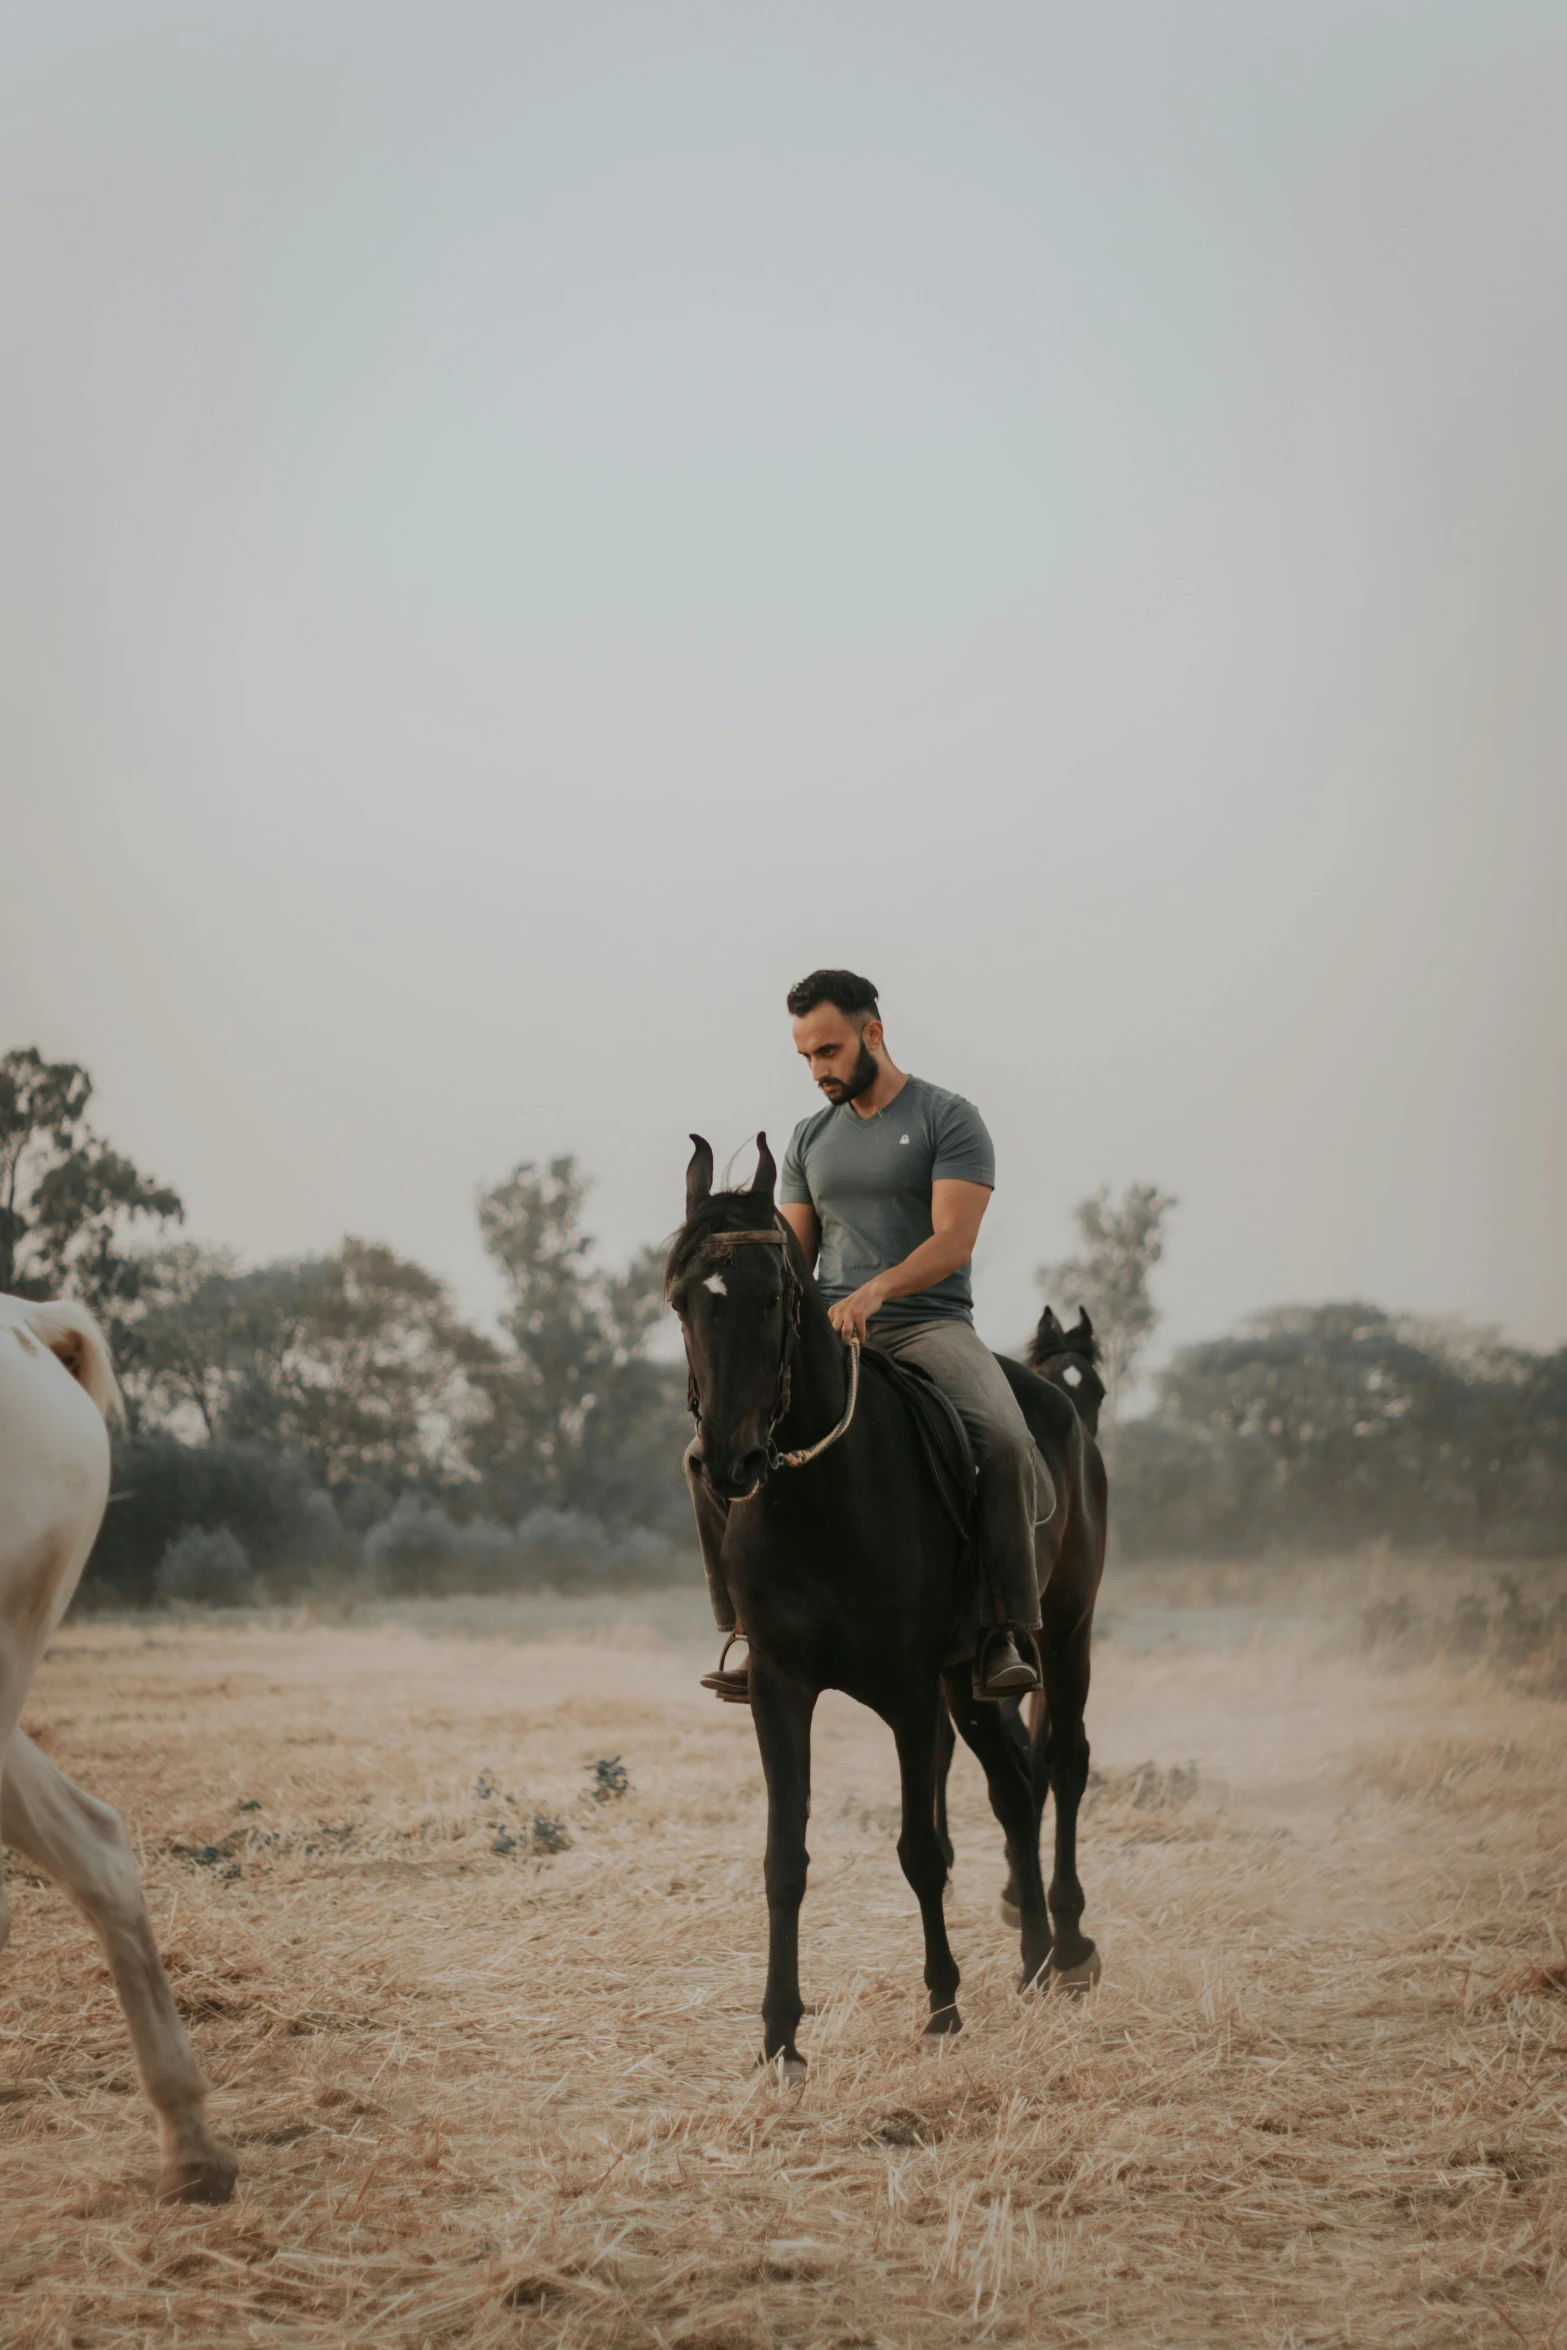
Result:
{"points": [[489, 2092]]}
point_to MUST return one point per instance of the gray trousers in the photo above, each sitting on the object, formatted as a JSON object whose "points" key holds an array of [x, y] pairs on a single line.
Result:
{"points": [[1016, 1493]]}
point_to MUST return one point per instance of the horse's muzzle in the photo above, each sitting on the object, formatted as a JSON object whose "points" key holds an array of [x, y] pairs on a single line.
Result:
{"points": [[736, 1476]]}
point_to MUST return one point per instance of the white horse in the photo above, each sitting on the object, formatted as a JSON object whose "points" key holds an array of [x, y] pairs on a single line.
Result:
{"points": [[57, 1394]]}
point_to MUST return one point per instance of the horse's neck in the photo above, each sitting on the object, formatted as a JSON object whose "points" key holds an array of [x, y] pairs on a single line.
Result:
{"points": [[818, 1384]]}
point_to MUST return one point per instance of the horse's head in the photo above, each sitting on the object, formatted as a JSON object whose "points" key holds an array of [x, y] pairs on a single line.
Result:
{"points": [[1070, 1359], [730, 1280]]}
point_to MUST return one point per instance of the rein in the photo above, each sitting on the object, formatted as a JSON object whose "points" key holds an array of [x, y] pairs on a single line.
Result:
{"points": [[716, 1250], [798, 1460]]}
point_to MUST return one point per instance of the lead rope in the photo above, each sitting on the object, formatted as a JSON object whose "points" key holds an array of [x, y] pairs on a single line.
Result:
{"points": [[811, 1452]]}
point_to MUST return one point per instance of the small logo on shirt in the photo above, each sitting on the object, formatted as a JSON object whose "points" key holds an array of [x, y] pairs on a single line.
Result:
{"points": [[903, 1138]]}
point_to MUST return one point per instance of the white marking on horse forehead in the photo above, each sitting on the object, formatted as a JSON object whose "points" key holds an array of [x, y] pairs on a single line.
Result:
{"points": [[1072, 1375], [715, 1282]]}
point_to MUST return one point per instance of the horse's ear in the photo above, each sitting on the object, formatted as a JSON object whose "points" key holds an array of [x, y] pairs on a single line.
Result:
{"points": [[1049, 1327], [1082, 1328], [766, 1177], [699, 1176]]}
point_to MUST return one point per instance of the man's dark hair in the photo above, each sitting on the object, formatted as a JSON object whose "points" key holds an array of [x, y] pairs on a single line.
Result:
{"points": [[852, 995]]}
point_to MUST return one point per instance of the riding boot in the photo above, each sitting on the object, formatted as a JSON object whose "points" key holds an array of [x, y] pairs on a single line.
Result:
{"points": [[732, 1685], [1002, 1669]]}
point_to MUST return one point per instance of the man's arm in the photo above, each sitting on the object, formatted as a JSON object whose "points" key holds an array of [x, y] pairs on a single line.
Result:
{"points": [[957, 1210], [805, 1224]]}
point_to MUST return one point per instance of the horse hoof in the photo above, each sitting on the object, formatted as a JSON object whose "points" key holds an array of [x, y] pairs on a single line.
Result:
{"points": [[199, 2178], [789, 2071], [1078, 1980], [944, 2021], [1010, 1914]]}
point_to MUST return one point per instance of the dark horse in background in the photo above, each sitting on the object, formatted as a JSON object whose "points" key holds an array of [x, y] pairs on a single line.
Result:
{"points": [[1070, 1552], [848, 1572]]}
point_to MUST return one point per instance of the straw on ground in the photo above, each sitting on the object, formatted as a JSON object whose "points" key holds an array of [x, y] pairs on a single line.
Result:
{"points": [[483, 2033]]}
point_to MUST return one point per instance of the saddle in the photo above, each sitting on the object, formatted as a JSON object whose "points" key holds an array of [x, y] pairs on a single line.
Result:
{"points": [[943, 1439], [949, 1456]]}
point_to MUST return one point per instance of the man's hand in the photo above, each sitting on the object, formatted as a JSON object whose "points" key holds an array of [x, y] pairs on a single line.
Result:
{"points": [[850, 1315]]}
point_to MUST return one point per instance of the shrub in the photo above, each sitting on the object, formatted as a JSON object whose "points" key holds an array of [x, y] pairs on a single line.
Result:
{"points": [[270, 1503], [206, 1564], [420, 1546]]}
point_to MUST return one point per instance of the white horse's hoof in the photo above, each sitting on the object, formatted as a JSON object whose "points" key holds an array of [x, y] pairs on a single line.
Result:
{"points": [[205, 2175], [1078, 1980], [1010, 1914]]}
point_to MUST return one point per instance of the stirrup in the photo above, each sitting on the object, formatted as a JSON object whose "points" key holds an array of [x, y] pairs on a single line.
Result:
{"points": [[734, 1688]]}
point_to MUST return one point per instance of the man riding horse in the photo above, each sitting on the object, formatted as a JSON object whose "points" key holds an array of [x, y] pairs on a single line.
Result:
{"points": [[885, 1190]]}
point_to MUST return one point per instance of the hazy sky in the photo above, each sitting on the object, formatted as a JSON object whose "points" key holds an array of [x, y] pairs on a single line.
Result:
{"points": [[527, 528]]}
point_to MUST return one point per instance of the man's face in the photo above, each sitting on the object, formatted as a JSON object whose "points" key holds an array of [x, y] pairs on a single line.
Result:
{"points": [[841, 1057]]}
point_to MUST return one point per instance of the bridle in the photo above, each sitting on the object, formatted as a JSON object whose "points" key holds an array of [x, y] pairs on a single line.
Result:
{"points": [[718, 1250]]}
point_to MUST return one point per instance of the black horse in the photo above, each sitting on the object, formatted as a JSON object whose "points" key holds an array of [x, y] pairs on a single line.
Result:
{"points": [[1070, 1359], [849, 1572], [1061, 1393]]}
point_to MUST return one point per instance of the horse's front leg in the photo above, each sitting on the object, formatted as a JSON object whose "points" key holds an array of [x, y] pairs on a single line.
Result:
{"points": [[782, 1710], [84, 1847], [946, 1744], [917, 1732]]}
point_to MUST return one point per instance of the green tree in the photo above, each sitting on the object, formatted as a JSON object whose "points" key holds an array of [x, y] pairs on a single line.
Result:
{"points": [[376, 1379], [356, 1361], [66, 1197], [581, 1418], [1339, 1423], [1360, 1431], [191, 1341], [1122, 1243]]}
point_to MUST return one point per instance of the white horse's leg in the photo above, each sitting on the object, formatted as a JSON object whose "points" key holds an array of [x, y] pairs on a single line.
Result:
{"points": [[82, 1844], [16, 1671]]}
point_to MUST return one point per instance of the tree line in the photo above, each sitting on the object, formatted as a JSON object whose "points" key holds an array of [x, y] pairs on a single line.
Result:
{"points": [[1316, 1427], [335, 1416]]}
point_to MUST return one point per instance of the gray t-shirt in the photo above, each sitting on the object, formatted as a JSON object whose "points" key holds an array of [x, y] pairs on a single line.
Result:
{"points": [[869, 1181]]}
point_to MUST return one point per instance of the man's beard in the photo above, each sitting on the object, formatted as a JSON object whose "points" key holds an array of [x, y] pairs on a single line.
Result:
{"points": [[860, 1079]]}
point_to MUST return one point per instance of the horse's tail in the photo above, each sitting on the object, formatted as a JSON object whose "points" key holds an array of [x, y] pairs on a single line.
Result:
{"points": [[74, 1338]]}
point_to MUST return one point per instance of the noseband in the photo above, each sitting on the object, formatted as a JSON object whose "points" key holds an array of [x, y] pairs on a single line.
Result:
{"points": [[718, 1250]]}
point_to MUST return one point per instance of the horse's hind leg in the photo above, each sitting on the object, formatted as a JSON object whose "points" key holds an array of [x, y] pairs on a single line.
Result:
{"points": [[946, 1746], [1064, 1762], [83, 1846], [920, 1852], [1011, 1713], [1012, 1800], [782, 1713]]}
